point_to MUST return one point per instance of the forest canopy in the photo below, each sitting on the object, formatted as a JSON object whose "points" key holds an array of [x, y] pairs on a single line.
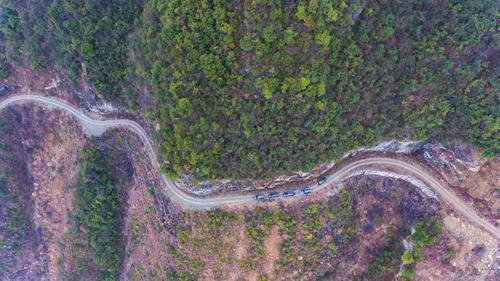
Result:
{"points": [[255, 88]]}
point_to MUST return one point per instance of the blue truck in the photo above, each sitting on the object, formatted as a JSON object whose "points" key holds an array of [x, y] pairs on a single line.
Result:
{"points": [[321, 180], [288, 194], [273, 196], [260, 197], [305, 190]]}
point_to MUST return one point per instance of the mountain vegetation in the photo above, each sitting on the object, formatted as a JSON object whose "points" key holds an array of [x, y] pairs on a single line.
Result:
{"points": [[98, 216], [256, 88]]}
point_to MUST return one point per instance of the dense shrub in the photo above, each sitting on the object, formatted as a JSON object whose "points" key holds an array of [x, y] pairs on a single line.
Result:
{"points": [[98, 210], [72, 33], [256, 88]]}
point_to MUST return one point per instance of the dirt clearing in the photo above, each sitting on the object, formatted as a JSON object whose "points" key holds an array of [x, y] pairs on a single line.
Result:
{"points": [[272, 251]]}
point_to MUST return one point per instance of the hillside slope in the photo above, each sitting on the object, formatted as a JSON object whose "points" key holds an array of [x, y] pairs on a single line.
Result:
{"points": [[256, 88]]}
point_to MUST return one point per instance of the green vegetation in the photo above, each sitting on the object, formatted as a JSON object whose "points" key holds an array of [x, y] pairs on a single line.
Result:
{"points": [[10, 33], [16, 222], [303, 233], [316, 232], [387, 261], [389, 258], [256, 88], [261, 87], [449, 253], [98, 213], [70, 33], [200, 242], [425, 235]]}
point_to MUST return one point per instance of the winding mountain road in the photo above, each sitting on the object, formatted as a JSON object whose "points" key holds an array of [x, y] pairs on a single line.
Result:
{"points": [[411, 172]]}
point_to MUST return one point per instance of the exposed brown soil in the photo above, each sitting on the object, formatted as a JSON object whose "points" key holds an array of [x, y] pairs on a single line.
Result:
{"points": [[476, 252], [241, 250], [475, 179], [47, 83], [384, 207], [49, 143], [22, 253], [272, 251], [148, 215], [485, 184], [54, 168]]}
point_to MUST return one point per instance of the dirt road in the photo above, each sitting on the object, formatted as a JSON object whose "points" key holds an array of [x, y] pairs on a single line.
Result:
{"points": [[412, 172]]}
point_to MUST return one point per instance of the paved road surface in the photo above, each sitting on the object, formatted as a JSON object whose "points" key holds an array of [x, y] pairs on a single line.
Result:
{"points": [[409, 170]]}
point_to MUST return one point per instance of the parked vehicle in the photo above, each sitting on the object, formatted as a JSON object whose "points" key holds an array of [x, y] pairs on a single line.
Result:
{"points": [[305, 191], [288, 194], [321, 180], [273, 196], [260, 197]]}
